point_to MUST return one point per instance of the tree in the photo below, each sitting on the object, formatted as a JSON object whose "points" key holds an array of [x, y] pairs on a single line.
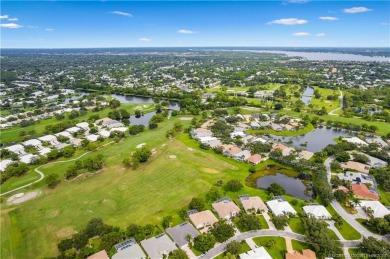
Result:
{"points": [[340, 196], [248, 222], [214, 193], [222, 231], [114, 103], [137, 113], [233, 247], [233, 185], [276, 189], [68, 151], [126, 162], [343, 157], [166, 222], [142, 155], [278, 106], [178, 254], [280, 221], [52, 180], [317, 234], [153, 125], [204, 242], [252, 169], [136, 231], [196, 204], [373, 246]]}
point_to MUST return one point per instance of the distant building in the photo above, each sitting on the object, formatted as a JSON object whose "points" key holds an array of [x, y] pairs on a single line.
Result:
{"points": [[279, 206], [352, 165], [128, 249], [378, 209], [317, 211], [252, 203], [225, 208], [361, 191], [203, 219], [180, 232], [158, 246], [257, 253]]}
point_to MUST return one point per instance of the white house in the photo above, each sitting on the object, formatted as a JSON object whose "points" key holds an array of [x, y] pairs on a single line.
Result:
{"points": [[17, 149], [257, 253], [120, 129], [317, 211], [73, 130], [92, 138], [243, 155], [44, 151], [356, 140], [279, 206], [104, 133], [5, 163], [64, 134], [49, 139], [83, 125], [28, 158], [378, 209], [32, 142]]}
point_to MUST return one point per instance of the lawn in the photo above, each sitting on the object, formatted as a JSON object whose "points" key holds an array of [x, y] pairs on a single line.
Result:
{"points": [[263, 222], [120, 196], [297, 226], [384, 197], [277, 250], [285, 133], [323, 102], [244, 248], [346, 230], [12, 134], [357, 253], [299, 246]]}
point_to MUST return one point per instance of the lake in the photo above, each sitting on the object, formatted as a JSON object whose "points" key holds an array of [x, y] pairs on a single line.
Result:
{"points": [[293, 186], [173, 105], [325, 56], [307, 95], [316, 140]]}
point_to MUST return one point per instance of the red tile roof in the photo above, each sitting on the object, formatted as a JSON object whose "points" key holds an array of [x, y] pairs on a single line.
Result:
{"points": [[361, 191]]}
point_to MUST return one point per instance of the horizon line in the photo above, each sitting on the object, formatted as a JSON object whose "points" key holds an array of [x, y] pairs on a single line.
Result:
{"points": [[386, 47]]}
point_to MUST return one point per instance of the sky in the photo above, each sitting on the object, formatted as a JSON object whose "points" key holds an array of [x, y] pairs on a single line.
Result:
{"points": [[288, 23]]}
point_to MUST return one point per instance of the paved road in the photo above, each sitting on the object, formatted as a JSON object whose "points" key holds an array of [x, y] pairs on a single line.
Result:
{"points": [[340, 210], [220, 248], [41, 175], [341, 105]]}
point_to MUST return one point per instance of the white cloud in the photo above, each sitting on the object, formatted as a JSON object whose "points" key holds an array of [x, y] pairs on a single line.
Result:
{"points": [[320, 34], [4, 16], [289, 21], [385, 23], [49, 29], [357, 10], [32, 27], [328, 18], [301, 34], [13, 19], [10, 25], [144, 40], [184, 31], [122, 13]]}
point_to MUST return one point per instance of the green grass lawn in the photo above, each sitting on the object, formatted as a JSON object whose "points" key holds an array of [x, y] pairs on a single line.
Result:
{"points": [[263, 222], [384, 197], [357, 253], [244, 248], [277, 250], [346, 230], [297, 226], [323, 102], [285, 133], [12, 134], [299, 246]]}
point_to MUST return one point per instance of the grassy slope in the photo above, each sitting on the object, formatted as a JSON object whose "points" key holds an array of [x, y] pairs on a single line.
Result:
{"points": [[345, 230], [299, 246], [305, 130], [297, 226], [12, 134], [277, 250], [322, 102]]}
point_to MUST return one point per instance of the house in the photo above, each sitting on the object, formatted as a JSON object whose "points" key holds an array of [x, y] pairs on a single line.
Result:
{"points": [[180, 232], [99, 255], [51, 139], [64, 134], [286, 151], [4, 164], [252, 203], [43, 151], [260, 140], [306, 254], [230, 150], [214, 143], [279, 206], [120, 129], [207, 124], [83, 125], [317, 211], [242, 156], [61, 145], [257, 253], [32, 142], [128, 249], [374, 162], [158, 246], [378, 141], [225, 208], [92, 137], [200, 132], [76, 142], [352, 165], [28, 158], [357, 141], [378, 209], [254, 159], [361, 191], [203, 219], [358, 178], [304, 154], [17, 149], [264, 94], [104, 133], [73, 130], [276, 127]]}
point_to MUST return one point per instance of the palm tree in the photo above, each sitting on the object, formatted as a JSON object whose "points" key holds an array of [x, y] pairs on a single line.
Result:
{"points": [[189, 238], [355, 202]]}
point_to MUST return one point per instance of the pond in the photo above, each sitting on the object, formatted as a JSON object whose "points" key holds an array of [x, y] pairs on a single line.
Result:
{"points": [[307, 95], [293, 186], [173, 105], [315, 140]]}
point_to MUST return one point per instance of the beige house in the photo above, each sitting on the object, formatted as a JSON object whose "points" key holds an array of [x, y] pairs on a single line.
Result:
{"points": [[352, 165], [253, 203], [225, 208], [203, 219]]}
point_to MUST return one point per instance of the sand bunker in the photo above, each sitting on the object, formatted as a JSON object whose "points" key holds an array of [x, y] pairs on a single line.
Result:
{"points": [[65, 232], [172, 157], [141, 145], [210, 171], [21, 197], [186, 118], [190, 149]]}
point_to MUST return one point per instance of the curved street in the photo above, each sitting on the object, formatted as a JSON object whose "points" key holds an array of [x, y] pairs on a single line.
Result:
{"points": [[340, 210], [220, 248]]}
